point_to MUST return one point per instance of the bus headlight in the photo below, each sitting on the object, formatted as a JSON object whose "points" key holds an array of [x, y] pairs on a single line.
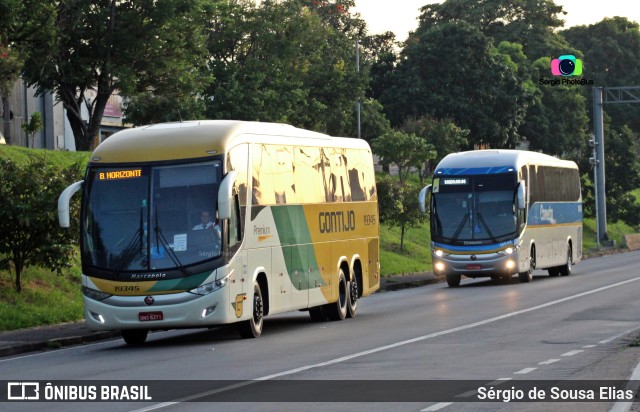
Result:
{"points": [[438, 253], [511, 264], [210, 287], [439, 266], [509, 251], [94, 294]]}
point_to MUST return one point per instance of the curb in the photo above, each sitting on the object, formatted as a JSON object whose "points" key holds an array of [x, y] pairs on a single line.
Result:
{"points": [[56, 343]]}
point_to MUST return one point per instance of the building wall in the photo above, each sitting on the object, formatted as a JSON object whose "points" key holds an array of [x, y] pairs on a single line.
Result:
{"points": [[56, 133]]}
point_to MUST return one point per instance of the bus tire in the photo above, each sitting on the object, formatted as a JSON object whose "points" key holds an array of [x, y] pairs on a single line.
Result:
{"points": [[352, 302], [453, 280], [317, 314], [252, 328], [135, 336], [528, 275], [565, 270], [554, 271], [338, 309]]}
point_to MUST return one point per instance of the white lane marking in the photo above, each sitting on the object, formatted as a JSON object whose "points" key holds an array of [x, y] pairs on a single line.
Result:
{"points": [[392, 345], [499, 381], [589, 346], [548, 361], [619, 335], [436, 407], [524, 371], [573, 352], [633, 384]]}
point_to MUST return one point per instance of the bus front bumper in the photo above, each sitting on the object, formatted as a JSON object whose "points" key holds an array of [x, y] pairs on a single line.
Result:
{"points": [[180, 310], [475, 265]]}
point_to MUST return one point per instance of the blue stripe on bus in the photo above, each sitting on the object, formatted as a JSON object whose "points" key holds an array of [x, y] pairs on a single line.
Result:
{"points": [[554, 213], [473, 170], [494, 247]]}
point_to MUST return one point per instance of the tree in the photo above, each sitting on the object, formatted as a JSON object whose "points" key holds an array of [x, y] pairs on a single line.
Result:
{"points": [[532, 23], [31, 235], [33, 126], [623, 175], [407, 151], [107, 46], [22, 21], [444, 135], [398, 205], [287, 62], [557, 121], [611, 54], [453, 71]]}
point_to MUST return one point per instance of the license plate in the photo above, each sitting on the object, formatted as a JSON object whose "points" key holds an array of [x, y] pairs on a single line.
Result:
{"points": [[474, 267], [149, 316]]}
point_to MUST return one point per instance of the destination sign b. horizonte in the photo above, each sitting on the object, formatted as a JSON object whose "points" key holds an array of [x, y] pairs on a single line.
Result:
{"points": [[422, 391]]}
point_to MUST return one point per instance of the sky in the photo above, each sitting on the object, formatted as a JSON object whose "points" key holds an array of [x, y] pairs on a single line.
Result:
{"points": [[401, 16]]}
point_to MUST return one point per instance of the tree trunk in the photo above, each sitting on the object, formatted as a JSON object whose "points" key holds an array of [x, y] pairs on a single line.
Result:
{"points": [[17, 262], [402, 238]]}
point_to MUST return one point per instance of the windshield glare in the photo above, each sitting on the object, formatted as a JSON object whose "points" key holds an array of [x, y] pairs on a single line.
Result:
{"points": [[474, 208], [151, 218]]}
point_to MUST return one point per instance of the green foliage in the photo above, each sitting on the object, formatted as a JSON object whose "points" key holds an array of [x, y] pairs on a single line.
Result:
{"points": [[407, 151], [44, 300], [611, 54], [289, 62], [557, 122], [55, 158], [151, 47], [31, 235], [444, 136], [398, 205], [33, 126], [416, 254], [481, 93], [531, 23]]}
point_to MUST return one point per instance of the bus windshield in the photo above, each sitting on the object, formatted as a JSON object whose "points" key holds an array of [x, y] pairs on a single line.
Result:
{"points": [[479, 208], [151, 217]]}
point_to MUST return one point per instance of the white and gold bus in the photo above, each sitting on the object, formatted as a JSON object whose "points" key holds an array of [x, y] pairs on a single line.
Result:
{"points": [[295, 226]]}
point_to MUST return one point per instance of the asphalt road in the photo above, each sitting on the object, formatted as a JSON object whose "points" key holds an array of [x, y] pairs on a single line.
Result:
{"points": [[574, 328]]}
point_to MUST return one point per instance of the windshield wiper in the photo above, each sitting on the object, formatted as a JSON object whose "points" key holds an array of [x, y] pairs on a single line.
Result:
{"points": [[172, 255], [135, 244], [460, 226], [486, 227]]}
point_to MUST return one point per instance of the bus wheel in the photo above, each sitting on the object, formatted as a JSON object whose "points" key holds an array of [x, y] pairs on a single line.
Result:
{"points": [[135, 336], [565, 270], [352, 303], [528, 275], [453, 280], [252, 328], [317, 314], [338, 310]]}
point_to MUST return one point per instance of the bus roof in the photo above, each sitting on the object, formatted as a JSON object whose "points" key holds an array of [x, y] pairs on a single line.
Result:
{"points": [[202, 138], [486, 159]]}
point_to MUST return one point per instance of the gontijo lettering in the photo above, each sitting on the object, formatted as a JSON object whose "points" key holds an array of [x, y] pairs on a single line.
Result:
{"points": [[332, 222], [121, 174]]}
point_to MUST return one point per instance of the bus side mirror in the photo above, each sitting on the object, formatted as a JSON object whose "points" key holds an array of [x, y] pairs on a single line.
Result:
{"points": [[225, 196], [422, 198], [63, 203], [521, 195]]}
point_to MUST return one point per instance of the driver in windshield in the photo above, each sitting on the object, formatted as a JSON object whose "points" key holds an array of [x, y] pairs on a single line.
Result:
{"points": [[205, 222]]}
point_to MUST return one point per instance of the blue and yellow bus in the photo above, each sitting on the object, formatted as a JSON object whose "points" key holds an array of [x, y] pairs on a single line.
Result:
{"points": [[495, 213], [202, 223]]}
